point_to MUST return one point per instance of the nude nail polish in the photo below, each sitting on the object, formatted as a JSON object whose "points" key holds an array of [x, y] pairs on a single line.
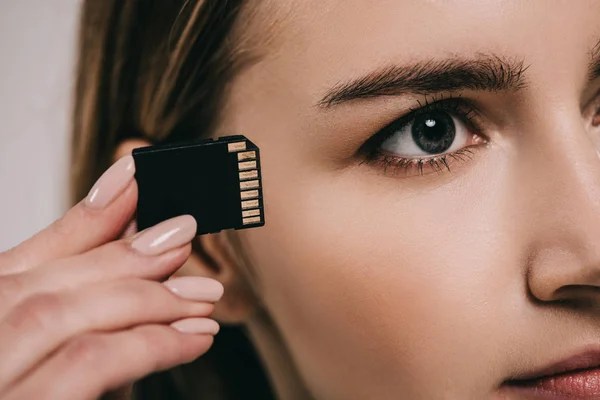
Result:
{"points": [[197, 326], [111, 183], [196, 288], [165, 236]]}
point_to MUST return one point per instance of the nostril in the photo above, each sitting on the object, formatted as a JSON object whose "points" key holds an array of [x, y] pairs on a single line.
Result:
{"points": [[579, 296], [567, 273]]}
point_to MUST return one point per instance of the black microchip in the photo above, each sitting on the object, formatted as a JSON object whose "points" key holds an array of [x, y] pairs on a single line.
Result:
{"points": [[218, 182]]}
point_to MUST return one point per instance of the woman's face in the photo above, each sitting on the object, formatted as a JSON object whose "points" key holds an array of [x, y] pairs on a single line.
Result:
{"points": [[391, 273]]}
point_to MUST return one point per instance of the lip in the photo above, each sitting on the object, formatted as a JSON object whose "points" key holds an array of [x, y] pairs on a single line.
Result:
{"points": [[576, 377]]}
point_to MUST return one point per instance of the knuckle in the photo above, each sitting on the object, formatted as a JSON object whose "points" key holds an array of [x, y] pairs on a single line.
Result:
{"points": [[38, 312], [139, 264], [85, 349], [7, 257], [62, 227], [70, 223], [136, 293], [11, 286], [148, 295], [15, 260]]}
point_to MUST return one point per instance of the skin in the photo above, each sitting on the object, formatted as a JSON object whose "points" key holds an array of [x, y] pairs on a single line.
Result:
{"points": [[435, 286], [373, 285], [83, 309]]}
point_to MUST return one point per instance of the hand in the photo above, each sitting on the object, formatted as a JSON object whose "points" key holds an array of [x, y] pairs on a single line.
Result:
{"points": [[82, 313]]}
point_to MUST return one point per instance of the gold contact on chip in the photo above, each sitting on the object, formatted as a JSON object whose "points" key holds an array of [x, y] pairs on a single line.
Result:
{"points": [[239, 146], [248, 175], [249, 184], [251, 213], [249, 194], [250, 204], [252, 220], [246, 165], [247, 155]]}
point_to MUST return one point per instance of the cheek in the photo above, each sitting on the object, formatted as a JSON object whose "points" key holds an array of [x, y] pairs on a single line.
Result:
{"points": [[386, 288]]}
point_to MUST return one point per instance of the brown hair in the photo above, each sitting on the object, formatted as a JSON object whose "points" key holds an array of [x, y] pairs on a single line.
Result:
{"points": [[158, 70]]}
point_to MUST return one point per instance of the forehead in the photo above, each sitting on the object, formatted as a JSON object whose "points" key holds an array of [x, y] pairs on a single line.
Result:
{"points": [[356, 34]]}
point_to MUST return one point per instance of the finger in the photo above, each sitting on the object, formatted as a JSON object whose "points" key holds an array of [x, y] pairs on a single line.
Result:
{"points": [[93, 364], [39, 325], [131, 230], [99, 218], [112, 261]]}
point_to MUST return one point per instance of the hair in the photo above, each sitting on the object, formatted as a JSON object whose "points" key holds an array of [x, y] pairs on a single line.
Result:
{"points": [[158, 70]]}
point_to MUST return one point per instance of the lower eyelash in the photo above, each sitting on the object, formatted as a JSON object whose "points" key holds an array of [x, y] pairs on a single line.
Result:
{"points": [[437, 163]]}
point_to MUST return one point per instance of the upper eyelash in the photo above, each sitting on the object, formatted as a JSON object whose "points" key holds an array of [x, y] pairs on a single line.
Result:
{"points": [[457, 106], [454, 104]]}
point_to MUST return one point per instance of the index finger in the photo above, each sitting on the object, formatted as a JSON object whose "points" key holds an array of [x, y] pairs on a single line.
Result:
{"points": [[94, 221]]}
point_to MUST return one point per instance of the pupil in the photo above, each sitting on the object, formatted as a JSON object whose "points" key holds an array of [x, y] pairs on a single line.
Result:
{"points": [[434, 132]]}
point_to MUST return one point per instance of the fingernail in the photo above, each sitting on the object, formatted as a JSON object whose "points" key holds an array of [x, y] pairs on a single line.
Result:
{"points": [[111, 183], [197, 326], [165, 236], [196, 288]]}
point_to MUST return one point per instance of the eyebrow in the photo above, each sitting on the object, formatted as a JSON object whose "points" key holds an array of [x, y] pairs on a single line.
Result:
{"points": [[483, 73]]}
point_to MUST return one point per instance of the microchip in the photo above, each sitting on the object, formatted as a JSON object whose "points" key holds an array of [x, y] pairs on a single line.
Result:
{"points": [[217, 181]]}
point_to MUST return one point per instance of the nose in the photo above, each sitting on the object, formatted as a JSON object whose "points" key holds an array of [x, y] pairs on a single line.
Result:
{"points": [[563, 207]]}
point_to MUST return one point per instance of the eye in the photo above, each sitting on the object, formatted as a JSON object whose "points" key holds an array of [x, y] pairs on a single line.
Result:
{"points": [[431, 137], [431, 133]]}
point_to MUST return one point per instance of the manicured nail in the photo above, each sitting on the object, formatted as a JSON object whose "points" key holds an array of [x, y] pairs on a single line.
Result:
{"points": [[165, 236], [197, 326], [111, 183], [196, 288]]}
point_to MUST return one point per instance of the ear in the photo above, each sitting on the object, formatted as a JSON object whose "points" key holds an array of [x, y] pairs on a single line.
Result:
{"points": [[126, 147], [214, 256]]}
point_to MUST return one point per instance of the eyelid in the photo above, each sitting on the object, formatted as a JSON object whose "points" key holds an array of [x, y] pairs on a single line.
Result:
{"points": [[593, 106], [417, 165], [372, 152], [590, 95], [456, 106]]}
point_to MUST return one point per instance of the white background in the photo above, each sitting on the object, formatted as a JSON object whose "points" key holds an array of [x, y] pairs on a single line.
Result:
{"points": [[37, 45]]}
